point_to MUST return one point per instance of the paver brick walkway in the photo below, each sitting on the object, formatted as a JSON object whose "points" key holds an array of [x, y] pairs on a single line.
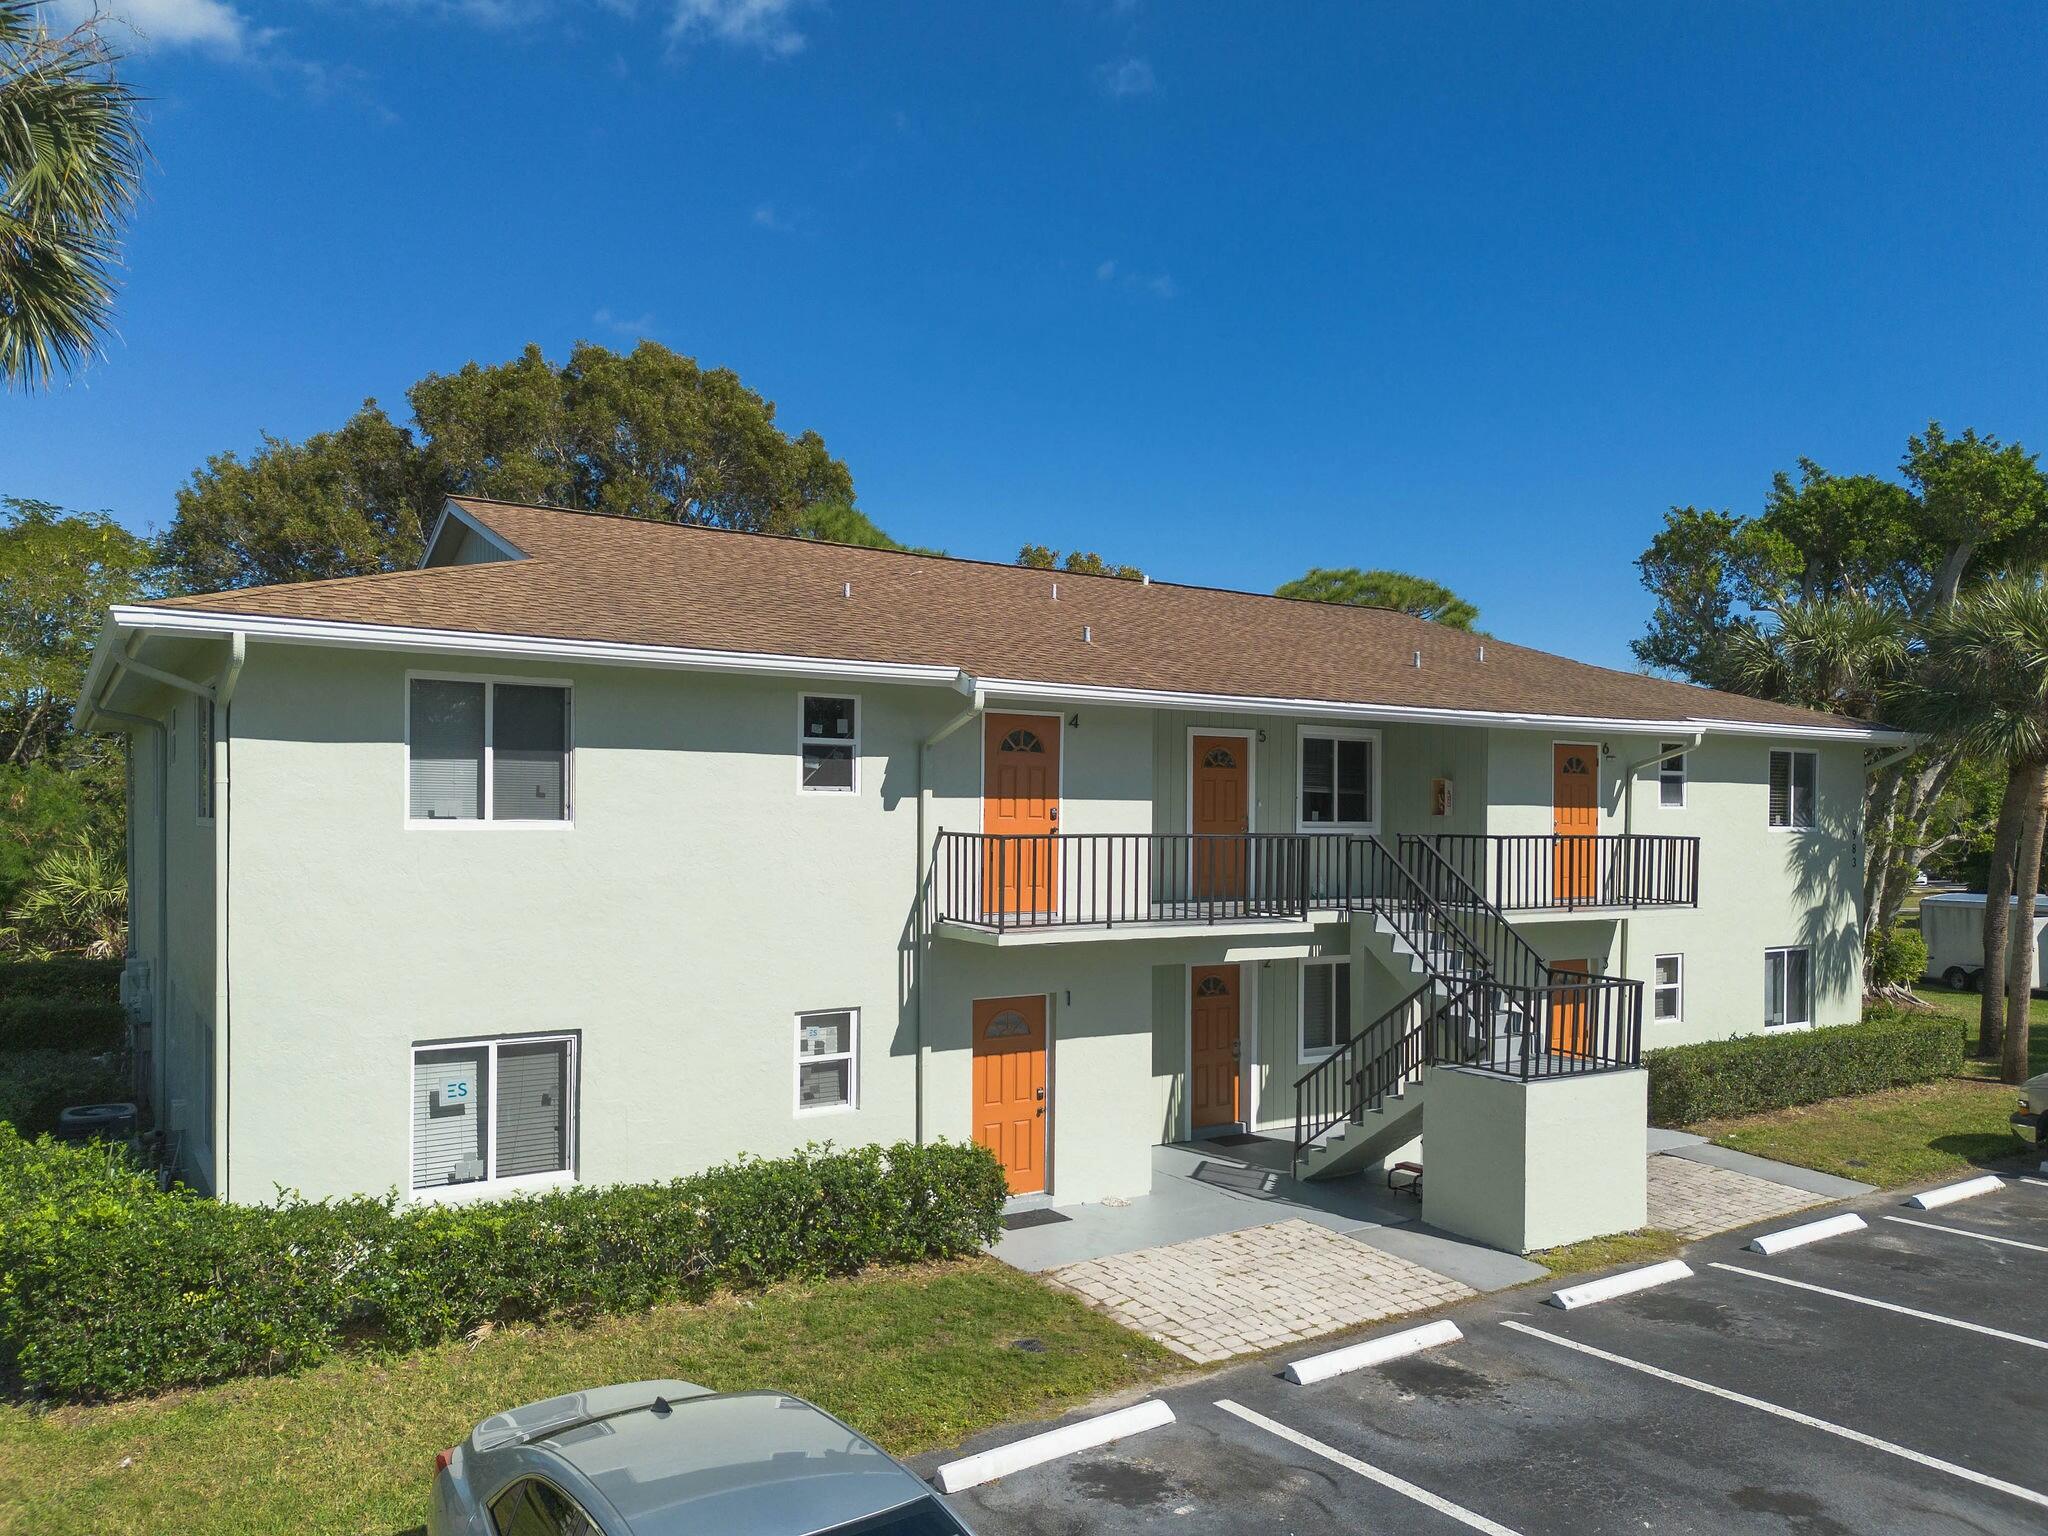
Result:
{"points": [[1216, 1297], [1696, 1199]]}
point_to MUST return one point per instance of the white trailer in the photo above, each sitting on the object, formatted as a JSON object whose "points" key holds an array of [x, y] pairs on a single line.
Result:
{"points": [[1953, 926]]}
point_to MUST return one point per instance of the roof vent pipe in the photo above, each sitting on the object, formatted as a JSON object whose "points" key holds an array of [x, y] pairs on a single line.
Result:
{"points": [[1482, 650], [1418, 659], [1055, 591], [1087, 634], [846, 589]]}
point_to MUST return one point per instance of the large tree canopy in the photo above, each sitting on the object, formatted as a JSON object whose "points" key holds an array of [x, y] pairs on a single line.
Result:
{"points": [[1383, 589], [645, 434], [1082, 562]]}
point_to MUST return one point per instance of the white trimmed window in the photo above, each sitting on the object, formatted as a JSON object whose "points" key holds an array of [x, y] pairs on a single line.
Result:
{"points": [[1788, 997], [827, 1045], [1325, 1007], [204, 716], [830, 742], [480, 750], [1667, 990], [1671, 776], [493, 1112], [1338, 779], [1795, 777]]}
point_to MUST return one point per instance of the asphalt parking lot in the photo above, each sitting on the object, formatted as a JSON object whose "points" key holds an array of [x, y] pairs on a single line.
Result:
{"points": [[1894, 1379]]}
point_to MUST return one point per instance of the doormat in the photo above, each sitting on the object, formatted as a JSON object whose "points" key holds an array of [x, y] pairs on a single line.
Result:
{"points": [[1243, 1181], [1239, 1139], [1023, 1219]]}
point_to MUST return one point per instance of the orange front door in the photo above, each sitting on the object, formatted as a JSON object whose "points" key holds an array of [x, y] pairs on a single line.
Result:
{"points": [[1020, 812], [1220, 808], [1568, 1009], [1009, 1087], [1575, 788], [1212, 1045]]}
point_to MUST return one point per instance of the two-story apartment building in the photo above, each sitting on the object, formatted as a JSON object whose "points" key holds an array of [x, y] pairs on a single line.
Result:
{"points": [[598, 849]]}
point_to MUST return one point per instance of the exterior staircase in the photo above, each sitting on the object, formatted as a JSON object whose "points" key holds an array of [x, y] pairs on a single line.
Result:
{"points": [[1481, 999]]}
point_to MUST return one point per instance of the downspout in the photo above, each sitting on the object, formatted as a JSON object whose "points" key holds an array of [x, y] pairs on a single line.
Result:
{"points": [[978, 700], [1628, 808], [159, 955], [223, 697]]}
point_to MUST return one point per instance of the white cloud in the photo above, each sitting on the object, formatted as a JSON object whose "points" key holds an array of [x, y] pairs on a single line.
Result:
{"points": [[1132, 77], [766, 217], [1160, 285], [1163, 286], [1104, 271], [635, 326], [210, 24], [768, 25]]}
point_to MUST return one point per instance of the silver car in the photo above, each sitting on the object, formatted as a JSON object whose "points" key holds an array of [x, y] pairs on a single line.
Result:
{"points": [[660, 1458]]}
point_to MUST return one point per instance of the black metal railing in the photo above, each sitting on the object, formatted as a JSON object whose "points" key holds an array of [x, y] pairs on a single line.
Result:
{"points": [[1388, 887], [1510, 957], [1357, 1077], [1070, 880], [1551, 872]]}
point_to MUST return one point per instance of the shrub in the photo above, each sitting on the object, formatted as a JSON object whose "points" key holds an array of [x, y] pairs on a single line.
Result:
{"points": [[109, 1287], [60, 1024], [1894, 957], [68, 979], [36, 1085], [1756, 1073]]}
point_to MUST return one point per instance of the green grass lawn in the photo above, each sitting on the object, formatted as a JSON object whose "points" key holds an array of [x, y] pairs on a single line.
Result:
{"points": [[917, 1358], [1606, 1252], [1905, 1136]]}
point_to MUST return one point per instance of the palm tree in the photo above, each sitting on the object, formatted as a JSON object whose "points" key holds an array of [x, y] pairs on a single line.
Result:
{"points": [[1985, 686], [71, 157]]}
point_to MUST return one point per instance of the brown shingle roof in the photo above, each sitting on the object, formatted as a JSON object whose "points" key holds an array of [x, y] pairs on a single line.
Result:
{"points": [[621, 581]]}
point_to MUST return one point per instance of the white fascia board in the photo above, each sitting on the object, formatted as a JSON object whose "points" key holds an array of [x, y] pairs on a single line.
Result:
{"points": [[1413, 714], [176, 621], [103, 651], [450, 512]]}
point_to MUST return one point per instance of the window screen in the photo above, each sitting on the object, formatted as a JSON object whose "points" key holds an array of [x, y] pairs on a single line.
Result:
{"points": [[824, 1060], [1336, 780], [831, 741], [1671, 777], [1786, 996], [533, 1088], [1793, 779], [529, 753], [1325, 1006], [1667, 993], [447, 781], [450, 1115]]}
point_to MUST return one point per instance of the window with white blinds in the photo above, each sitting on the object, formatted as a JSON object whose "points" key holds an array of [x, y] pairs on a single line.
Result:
{"points": [[1794, 778], [479, 750], [492, 1111], [1325, 1007]]}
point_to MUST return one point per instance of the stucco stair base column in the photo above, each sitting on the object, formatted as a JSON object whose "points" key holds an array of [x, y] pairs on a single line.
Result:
{"points": [[1532, 1165]]}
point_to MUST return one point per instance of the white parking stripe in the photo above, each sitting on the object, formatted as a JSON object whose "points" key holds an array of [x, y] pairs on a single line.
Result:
{"points": [[1982, 1237], [1921, 1458], [1887, 1306], [1366, 1470]]}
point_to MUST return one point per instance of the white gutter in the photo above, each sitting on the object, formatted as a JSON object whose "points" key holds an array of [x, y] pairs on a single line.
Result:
{"points": [[223, 730], [924, 906], [1628, 776]]}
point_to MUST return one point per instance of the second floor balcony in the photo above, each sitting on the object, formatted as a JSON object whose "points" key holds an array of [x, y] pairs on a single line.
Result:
{"points": [[1554, 873]]}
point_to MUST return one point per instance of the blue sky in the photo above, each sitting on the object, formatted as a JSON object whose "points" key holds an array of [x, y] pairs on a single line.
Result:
{"points": [[1475, 291]]}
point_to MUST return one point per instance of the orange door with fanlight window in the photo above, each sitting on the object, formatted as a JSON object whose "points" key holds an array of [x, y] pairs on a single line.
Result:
{"points": [[1568, 1030], [1219, 814], [1575, 789], [1020, 813], [1010, 1087], [1212, 1046]]}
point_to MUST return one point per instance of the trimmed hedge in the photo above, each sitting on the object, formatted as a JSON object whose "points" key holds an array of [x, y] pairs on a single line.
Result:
{"points": [[1756, 1073], [36, 1085], [61, 1024], [68, 979], [109, 1287]]}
